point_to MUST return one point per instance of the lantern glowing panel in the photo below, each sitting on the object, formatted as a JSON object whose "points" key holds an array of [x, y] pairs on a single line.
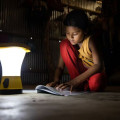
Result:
{"points": [[11, 60]]}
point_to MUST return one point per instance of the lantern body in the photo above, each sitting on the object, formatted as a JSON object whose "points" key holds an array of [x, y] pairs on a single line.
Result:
{"points": [[11, 60]]}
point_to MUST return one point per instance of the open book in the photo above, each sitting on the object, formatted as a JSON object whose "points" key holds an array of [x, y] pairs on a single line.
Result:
{"points": [[52, 90]]}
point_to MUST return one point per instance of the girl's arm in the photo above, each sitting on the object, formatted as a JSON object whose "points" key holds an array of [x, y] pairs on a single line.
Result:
{"points": [[59, 69], [97, 67], [58, 72]]}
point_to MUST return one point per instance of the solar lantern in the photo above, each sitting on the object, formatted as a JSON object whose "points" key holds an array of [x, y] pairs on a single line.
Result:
{"points": [[11, 57]]}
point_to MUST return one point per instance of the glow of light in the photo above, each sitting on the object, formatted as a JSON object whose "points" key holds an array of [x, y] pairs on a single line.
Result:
{"points": [[11, 60]]}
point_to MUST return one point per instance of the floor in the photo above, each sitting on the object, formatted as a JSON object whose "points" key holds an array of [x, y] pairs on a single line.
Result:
{"points": [[36, 106]]}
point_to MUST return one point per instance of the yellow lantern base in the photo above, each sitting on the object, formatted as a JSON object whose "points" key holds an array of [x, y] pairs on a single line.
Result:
{"points": [[11, 84]]}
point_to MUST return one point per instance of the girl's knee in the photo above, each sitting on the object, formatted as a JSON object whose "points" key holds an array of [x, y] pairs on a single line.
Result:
{"points": [[97, 82]]}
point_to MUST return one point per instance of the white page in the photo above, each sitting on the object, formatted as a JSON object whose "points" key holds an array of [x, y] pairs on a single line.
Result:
{"points": [[52, 90]]}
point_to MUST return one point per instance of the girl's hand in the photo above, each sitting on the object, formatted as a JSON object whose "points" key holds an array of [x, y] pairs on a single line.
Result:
{"points": [[71, 84], [52, 84]]}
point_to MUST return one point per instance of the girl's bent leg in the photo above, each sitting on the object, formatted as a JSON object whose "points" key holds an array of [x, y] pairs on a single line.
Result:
{"points": [[97, 82]]}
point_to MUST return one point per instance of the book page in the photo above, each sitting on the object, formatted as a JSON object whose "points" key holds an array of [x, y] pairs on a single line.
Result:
{"points": [[52, 90]]}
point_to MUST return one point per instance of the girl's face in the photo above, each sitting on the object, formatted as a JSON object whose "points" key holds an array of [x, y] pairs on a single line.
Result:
{"points": [[74, 35]]}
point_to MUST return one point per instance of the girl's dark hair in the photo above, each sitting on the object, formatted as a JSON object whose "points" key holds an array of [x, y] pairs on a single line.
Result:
{"points": [[77, 18]]}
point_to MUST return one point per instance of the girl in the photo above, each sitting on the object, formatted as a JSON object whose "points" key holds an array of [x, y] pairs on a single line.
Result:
{"points": [[81, 56]]}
